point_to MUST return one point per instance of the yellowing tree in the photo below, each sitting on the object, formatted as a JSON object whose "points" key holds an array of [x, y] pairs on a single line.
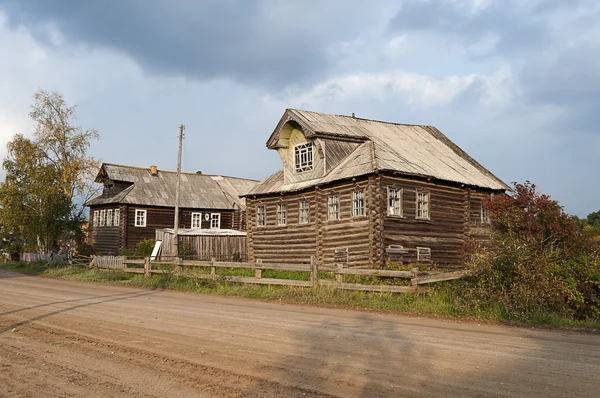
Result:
{"points": [[48, 177]]}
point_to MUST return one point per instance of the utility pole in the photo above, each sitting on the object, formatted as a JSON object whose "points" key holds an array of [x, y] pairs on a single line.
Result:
{"points": [[176, 226]]}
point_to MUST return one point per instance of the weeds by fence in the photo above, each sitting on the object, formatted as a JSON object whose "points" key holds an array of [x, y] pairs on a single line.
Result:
{"points": [[325, 276]]}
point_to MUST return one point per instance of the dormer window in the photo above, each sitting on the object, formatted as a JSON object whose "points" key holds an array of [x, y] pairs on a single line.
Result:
{"points": [[303, 154]]}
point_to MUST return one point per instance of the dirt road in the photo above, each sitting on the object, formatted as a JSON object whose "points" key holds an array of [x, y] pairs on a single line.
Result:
{"points": [[60, 338]]}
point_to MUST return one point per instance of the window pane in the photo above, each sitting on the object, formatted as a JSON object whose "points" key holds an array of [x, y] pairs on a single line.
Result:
{"points": [[303, 157]]}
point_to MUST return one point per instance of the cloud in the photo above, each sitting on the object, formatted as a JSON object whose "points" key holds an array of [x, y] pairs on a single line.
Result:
{"points": [[514, 83], [258, 42]]}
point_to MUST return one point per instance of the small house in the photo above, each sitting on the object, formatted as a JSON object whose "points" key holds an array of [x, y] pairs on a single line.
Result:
{"points": [[136, 201], [367, 193]]}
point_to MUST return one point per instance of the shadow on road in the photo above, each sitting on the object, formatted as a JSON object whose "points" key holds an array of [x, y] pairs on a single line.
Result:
{"points": [[357, 358], [365, 356], [108, 299]]}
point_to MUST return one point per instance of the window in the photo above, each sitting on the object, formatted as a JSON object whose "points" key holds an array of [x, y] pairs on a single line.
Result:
{"points": [[109, 217], [303, 212], [358, 203], [333, 207], [96, 218], [485, 218], [423, 254], [260, 216], [116, 217], [281, 214], [196, 220], [423, 205], [102, 218], [140, 218], [215, 220], [304, 157], [394, 202]]}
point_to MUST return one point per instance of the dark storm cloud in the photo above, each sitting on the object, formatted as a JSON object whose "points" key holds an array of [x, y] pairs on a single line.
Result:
{"points": [[246, 40]]}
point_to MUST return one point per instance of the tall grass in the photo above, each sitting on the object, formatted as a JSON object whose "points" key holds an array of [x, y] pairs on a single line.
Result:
{"points": [[442, 301]]}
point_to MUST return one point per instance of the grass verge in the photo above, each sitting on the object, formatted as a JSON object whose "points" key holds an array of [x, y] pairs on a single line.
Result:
{"points": [[436, 302]]}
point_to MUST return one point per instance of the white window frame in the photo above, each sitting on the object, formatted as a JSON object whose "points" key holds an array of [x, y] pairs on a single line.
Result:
{"points": [[215, 217], [424, 254], [358, 203], [102, 222], [116, 217], [303, 157], [423, 206], [199, 219], [281, 214], [109, 217], [394, 202], [485, 215], [261, 216], [333, 207], [303, 212], [96, 221], [138, 213]]}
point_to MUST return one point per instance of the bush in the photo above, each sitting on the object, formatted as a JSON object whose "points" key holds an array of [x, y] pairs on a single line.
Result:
{"points": [[145, 247], [538, 260]]}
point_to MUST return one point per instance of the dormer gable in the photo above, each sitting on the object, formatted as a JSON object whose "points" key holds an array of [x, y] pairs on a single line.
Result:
{"points": [[307, 154]]}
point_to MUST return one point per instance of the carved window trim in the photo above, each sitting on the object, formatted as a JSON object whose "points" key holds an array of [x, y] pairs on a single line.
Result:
{"points": [[140, 218], [423, 205], [394, 202], [303, 212], [485, 216], [261, 216], [281, 214], [303, 157], [196, 220], [358, 203], [333, 207], [215, 220]]}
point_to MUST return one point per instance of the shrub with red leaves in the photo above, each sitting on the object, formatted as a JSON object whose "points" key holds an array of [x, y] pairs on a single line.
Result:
{"points": [[539, 259]]}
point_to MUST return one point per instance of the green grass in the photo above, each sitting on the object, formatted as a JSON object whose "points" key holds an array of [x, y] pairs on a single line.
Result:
{"points": [[437, 302]]}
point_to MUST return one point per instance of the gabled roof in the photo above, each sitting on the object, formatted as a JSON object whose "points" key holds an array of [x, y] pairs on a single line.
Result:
{"points": [[198, 191], [383, 146]]}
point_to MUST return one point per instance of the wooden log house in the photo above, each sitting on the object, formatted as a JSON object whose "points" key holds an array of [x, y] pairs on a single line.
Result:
{"points": [[367, 193], [136, 201]]}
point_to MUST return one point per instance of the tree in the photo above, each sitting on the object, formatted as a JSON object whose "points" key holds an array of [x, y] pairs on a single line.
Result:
{"points": [[48, 177]]}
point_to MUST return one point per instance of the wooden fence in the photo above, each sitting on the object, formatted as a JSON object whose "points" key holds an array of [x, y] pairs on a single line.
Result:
{"points": [[33, 257], [224, 245], [416, 277]]}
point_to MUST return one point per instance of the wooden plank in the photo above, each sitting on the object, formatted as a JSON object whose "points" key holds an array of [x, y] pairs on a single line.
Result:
{"points": [[268, 281], [140, 261], [439, 277], [375, 272], [368, 288]]}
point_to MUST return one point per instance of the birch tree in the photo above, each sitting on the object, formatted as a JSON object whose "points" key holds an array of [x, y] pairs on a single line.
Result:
{"points": [[48, 176]]}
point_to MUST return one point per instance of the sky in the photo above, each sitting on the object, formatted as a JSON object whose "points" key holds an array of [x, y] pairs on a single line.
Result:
{"points": [[515, 83]]}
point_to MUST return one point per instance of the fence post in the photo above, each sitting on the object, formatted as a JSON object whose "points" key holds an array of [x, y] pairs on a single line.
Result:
{"points": [[314, 272], [339, 277], [147, 267], [213, 268], [257, 270], [178, 265]]}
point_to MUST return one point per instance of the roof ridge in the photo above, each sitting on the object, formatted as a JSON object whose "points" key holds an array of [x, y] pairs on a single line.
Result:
{"points": [[361, 118], [174, 172]]}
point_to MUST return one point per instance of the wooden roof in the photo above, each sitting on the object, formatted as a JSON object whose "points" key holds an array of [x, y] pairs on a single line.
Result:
{"points": [[198, 191], [367, 146]]}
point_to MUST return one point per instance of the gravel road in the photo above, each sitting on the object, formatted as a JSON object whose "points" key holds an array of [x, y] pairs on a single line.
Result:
{"points": [[62, 338]]}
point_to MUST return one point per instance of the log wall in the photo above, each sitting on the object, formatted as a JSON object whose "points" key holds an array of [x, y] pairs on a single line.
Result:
{"points": [[107, 240], [455, 214], [443, 233], [295, 243]]}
